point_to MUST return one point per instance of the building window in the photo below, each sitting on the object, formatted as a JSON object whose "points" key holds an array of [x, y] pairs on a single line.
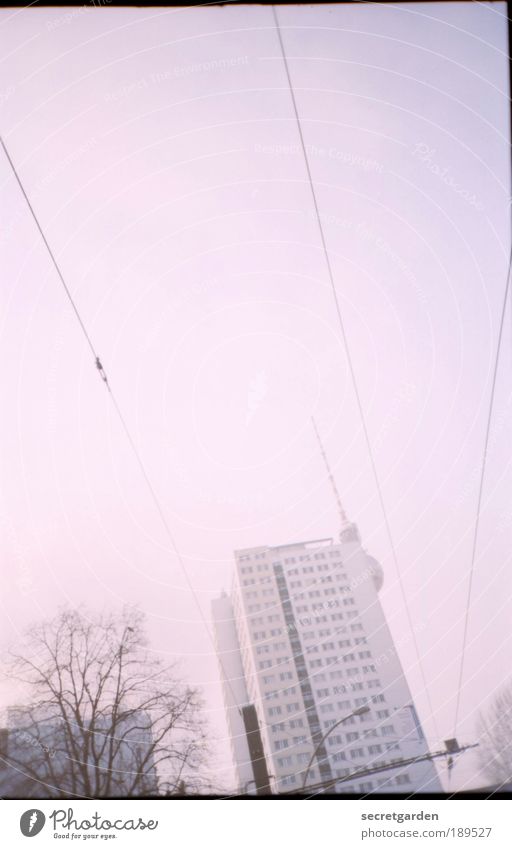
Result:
{"points": [[356, 753], [271, 694], [402, 779], [366, 787], [388, 729]]}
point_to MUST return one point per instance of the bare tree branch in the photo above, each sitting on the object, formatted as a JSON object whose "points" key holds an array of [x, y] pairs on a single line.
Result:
{"points": [[105, 716]]}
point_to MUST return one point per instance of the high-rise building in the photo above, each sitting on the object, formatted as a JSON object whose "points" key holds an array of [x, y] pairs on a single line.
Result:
{"points": [[303, 638]]}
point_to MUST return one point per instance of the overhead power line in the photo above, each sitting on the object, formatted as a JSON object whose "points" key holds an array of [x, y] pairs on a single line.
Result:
{"points": [[350, 362], [133, 445], [480, 493]]}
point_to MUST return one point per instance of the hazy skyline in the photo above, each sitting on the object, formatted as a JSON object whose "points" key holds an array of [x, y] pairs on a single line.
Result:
{"points": [[160, 151]]}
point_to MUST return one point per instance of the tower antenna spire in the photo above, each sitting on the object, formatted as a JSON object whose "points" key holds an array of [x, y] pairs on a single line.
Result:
{"points": [[348, 530], [341, 511]]}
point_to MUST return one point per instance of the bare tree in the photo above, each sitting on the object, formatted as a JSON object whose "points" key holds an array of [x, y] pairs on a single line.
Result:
{"points": [[105, 717], [495, 733]]}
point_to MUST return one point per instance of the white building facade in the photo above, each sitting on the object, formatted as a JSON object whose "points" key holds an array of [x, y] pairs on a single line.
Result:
{"points": [[303, 637]]}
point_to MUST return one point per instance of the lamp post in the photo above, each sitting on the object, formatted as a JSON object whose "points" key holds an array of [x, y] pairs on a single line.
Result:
{"points": [[357, 712]]}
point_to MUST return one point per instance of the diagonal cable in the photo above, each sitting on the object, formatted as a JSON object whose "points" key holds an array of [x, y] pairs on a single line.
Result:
{"points": [[123, 422], [350, 364]]}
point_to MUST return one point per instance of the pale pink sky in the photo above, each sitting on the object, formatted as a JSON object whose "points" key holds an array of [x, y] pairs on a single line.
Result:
{"points": [[161, 154]]}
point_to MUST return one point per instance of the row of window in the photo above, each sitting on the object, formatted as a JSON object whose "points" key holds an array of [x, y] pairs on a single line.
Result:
{"points": [[278, 710], [368, 786], [347, 658], [279, 727], [309, 570]]}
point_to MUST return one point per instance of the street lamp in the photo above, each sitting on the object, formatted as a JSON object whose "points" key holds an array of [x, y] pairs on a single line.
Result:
{"points": [[357, 712]]}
